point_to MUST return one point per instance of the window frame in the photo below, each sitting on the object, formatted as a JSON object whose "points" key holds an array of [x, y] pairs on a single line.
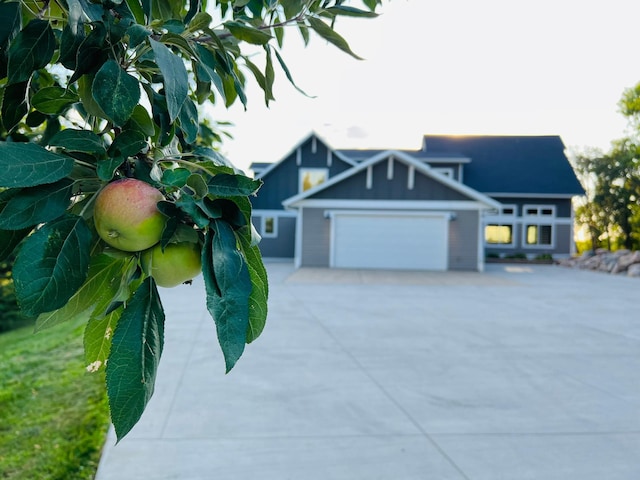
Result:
{"points": [[501, 219], [263, 226], [302, 171], [500, 244], [538, 225]]}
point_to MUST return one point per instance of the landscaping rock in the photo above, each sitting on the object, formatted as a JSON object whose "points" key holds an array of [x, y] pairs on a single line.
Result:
{"points": [[634, 270], [620, 261], [625, 261]]}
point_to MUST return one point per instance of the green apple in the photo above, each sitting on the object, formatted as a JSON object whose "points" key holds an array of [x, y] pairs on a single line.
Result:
{"points": [[126, 215], [178, 263]]}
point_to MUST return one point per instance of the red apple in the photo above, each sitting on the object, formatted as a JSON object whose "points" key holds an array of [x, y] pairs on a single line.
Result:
{"points": [[126, 215]]}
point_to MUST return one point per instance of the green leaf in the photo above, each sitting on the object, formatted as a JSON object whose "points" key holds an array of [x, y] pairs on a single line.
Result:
{"points": [[228, 287], [127, 144], [70, 42], [137, 34], [215, 159], [53, 100], [179, 42], [260, 288], [136, 9], [9, 240], [14, 104], [116, 92], [83, 141], [141, 121], [350, 11], [176, 177], [31, 50], [97, 339], [206, 68], [165, 9], [35, 205], [28, 164], [291, 7], [104, 282], [52, 264], [330, 35], [224, 185], [247, 33], [174, 77], [200, 21], [187, 204], [85, 84], [135, 354], [92, 53], [287, 72], [107, 168], [260, 78], [198, 185], [188, 120], [269, 76], [9, 20], [371, 3]]}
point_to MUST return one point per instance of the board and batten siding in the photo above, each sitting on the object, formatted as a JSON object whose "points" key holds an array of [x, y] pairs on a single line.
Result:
{"points": [[390, 180], [282, 181]]}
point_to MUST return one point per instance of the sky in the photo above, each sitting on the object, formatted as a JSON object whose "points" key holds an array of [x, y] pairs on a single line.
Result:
{"points": [[499, 67]]}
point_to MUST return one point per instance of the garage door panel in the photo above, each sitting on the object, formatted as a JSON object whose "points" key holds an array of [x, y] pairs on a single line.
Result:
{"points": [[407, 242]]}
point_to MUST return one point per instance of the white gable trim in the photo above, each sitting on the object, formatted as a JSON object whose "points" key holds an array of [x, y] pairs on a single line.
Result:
{"points": [[315, 138], [391, 204], [411, 162]]}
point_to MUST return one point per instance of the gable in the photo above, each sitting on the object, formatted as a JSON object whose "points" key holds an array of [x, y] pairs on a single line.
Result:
{"points": [[511, 164], [390, 179], [282, 179], [392, 175]]}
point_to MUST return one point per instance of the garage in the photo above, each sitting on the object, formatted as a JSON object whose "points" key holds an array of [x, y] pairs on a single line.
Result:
{"points": [[390, 240]]}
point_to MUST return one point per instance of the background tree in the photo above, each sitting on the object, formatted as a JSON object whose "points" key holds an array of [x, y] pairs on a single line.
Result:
{"points": [[612, 182], [94, 92]]}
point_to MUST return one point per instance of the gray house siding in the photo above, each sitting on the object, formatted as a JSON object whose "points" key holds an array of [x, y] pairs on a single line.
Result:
{"points": [[396, 188], [316, 238], [463, 240]]}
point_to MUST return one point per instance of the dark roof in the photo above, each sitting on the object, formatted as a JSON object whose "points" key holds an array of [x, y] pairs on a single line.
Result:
{"points": [[511, 164], [359, 155], [260, 165]]}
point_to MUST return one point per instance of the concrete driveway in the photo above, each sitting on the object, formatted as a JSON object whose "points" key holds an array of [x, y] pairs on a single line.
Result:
{"points": [[516, 373]]}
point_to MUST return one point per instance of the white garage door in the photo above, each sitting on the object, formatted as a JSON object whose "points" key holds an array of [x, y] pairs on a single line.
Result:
{"points": [[390, 241]]}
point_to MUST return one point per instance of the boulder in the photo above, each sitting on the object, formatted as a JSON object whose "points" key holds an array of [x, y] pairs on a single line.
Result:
{"points": [[626, 260], [602, 260], [634, 270]]}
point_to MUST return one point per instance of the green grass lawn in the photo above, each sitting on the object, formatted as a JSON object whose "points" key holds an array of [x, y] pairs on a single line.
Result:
{"points": [[53, 415]]}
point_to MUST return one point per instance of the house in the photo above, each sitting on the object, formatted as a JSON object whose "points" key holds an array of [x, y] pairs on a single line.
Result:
{"points": [[445, 206]]}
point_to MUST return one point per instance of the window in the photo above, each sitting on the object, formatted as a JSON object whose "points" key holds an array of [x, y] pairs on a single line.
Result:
{"points": [[538, 235], [500, 226], [498, 234], [536, 231], [539, 211], [311, 177], [269, 227]]}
